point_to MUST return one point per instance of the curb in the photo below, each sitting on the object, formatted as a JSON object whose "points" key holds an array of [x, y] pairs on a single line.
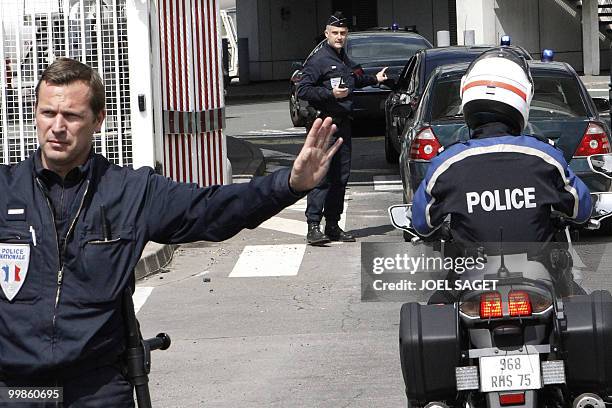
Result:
{"points": [[235, 99], [255, 163], [153, 259]]}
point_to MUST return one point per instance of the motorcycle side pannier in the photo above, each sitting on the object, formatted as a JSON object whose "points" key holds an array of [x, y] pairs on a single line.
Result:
{"points": [[429, 351], [587, 339]]}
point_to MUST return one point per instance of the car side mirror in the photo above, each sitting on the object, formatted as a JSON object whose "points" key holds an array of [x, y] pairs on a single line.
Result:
{"points": [[402, 111], [601, 164], [602, 104], [296, 65], [602, 206]]}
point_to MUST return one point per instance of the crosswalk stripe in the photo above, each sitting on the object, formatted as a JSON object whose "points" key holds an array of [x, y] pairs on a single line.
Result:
{"points": [[140, 296], [286, 225], [298, 227], [299, 206], [387, 183], [269, 260]]}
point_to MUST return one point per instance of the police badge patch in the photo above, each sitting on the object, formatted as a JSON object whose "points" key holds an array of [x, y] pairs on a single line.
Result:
{"points": [[14, 262]]}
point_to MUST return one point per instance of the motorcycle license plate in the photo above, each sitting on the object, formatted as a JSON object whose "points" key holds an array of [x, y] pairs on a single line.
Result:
{"points": [[506, 373]]}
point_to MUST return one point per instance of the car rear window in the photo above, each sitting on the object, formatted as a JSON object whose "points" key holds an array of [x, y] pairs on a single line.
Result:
{"points": [[380, 48], [554, 97], [446, 103]]}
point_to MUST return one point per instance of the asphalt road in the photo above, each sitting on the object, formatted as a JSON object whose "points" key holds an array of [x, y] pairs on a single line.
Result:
{"points": [[262, 320]]}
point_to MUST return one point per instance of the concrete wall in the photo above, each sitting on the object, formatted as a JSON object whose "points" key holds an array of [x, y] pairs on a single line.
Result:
{"points": [[279, 32], [428, 16], [533, 24], [283, 31], [476, 15]]}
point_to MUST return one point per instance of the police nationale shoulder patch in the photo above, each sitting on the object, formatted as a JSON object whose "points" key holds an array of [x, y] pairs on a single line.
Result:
{"points": [[14, 262]]}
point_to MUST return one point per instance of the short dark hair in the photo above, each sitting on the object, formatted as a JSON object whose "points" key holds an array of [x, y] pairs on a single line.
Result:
{"points": [[65, 71]]}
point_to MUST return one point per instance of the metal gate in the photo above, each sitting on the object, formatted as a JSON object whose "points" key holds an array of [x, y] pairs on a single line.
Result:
{"points": [[33, 33]]}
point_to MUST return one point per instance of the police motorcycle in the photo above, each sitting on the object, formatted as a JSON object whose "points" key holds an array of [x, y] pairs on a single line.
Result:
{"points": [[535, 340]]}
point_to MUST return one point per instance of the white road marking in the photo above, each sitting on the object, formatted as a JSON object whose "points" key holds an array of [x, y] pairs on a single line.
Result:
{"points": [[387, 183], [297, 227], [140, 296], [273, 133], [598, 89], [241, 179], [286, 225], [299, 206], [369, 193], [277, 154], [202, 274], [276, 131], [269, 260]]}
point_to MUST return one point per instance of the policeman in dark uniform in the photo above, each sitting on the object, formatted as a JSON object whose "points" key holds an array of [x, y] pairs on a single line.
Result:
{"points": [[328, 80], [73, 227]]}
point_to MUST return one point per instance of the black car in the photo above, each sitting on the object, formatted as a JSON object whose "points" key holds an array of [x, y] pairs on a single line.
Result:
{"points": [[372, 51], [409, 87], [561, 110]]}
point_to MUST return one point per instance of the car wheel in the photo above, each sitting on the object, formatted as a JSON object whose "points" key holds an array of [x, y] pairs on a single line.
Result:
{"points": [[294, 111], [391, 155]]}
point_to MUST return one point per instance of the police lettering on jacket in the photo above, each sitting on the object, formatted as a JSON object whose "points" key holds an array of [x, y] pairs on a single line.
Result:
{"points": [[504, 200]]}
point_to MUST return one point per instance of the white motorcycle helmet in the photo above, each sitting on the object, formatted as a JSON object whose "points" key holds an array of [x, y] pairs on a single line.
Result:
{"points": [[497, 87]]}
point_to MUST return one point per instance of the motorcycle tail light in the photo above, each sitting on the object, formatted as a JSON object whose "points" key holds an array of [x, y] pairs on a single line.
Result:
{"points": [[490, 305], [517, 398], [594, 141], [425, 145], [519, 303]]}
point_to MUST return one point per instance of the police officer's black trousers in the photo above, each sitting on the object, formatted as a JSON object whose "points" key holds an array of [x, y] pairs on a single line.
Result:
{"points": [[100, 387], [327, 199]]}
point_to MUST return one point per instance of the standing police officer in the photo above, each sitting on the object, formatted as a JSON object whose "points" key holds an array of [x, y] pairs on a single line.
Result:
{"points": [[73, 227], [328, 80]]}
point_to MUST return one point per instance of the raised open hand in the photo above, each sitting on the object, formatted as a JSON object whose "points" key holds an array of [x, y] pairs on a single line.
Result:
{"points": [[312, 163]]}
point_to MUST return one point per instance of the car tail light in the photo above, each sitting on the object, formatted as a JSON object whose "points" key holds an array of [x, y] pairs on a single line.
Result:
{"points": [[425, 145], [594, 141], [490, 305], [519, 303], [516, 398]]}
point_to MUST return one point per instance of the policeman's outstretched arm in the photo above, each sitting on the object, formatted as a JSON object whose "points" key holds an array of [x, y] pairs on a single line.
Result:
{"points": [[312, 163]]}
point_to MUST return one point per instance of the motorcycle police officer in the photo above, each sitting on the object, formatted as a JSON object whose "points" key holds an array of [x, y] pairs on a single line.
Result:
{"points": [[328, 80], [500, 179], [73, 227]]}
